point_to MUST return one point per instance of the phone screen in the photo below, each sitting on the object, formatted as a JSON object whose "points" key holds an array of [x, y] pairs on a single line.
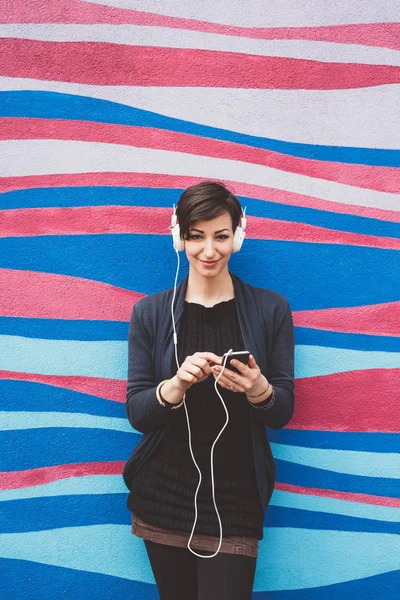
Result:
{"points": [[242, 356]]}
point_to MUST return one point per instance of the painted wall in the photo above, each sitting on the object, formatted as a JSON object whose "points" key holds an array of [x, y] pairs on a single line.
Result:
{"points": [[108, 109]]}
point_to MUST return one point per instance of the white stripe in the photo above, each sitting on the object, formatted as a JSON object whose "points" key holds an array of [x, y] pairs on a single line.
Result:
{"points": [[40, 157], [269, 13], [327, 117], [350, 462], [137, 35], [17, 420]]}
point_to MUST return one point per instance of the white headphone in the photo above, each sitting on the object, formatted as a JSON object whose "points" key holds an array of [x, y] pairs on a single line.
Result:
{"points": [[179, 243]]}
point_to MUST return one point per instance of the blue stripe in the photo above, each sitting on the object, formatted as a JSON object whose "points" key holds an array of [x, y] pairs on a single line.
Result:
{"points": [[23, 576], [351, 341], [54, 105], [379, 587], [33, 448], [63, 511], [96, 330], [277, 516], [165, 198], [26, 580], [304, 502], [28, 449], [100, 509], [32, 396], [301, 475], [104, 258], [65, 329], [340, 440]]}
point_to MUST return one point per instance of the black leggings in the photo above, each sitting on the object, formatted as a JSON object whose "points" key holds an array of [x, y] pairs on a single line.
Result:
{"points": [[182, 576]]}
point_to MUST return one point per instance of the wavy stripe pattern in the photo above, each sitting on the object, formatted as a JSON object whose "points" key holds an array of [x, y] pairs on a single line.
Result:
{"points": [[106, 114]]}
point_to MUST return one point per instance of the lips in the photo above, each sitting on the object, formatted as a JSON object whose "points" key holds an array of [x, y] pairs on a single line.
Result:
{"points": [[209, 263]]}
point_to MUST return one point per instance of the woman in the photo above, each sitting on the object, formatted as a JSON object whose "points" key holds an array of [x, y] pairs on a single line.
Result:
{"points": [[215, 312]]}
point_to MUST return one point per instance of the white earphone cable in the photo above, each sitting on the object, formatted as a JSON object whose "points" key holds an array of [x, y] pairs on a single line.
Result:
{"points": [[175, 337]]}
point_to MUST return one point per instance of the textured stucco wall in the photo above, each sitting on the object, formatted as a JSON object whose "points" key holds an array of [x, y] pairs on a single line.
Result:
{"points": [[108, 109]]}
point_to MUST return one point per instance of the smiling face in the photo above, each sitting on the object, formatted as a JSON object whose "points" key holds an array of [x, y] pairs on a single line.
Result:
{"points": [[209, 245]]}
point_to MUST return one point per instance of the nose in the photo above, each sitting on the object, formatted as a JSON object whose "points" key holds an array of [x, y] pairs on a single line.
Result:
{"points": [[208, 249]]}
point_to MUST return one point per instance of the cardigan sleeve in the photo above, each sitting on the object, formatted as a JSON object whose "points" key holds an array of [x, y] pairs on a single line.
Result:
{"points": [[280, 373], [143, 410]]}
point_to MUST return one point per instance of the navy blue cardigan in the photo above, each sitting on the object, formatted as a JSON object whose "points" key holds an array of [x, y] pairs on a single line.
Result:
{"points": [[266, 325]]}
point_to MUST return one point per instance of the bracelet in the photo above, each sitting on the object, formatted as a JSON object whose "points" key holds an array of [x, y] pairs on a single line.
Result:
{"points": [[262, 393], [164, 402], [267, 402]]}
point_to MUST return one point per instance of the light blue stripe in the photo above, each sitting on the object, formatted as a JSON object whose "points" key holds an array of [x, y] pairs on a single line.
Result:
{"points": [[334, 506], [114, 484], [313, 361], [368, 464], [89, 484], [107, 359], [14, 420], [313, 557], [304, 558]]}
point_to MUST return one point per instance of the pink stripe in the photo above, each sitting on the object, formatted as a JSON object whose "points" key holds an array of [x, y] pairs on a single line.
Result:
{"points": [[386, 35], [66, 297], [384, 179], [143, 220], [10, 480], [373, 319], [349, 496], [350, 401], [151, 66], [109, 389], [180, 182]]}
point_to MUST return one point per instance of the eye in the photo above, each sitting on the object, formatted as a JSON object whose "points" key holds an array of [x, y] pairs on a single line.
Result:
{"points": [[194, 237], [222, 237]]}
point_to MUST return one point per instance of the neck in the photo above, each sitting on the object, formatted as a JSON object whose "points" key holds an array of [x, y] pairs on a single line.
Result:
{"points": [[209, 291]]}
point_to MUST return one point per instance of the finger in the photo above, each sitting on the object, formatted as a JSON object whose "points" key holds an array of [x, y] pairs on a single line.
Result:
{"points": [[202, 363], [252, 362], [209, 357], [194, 370], [241, 367], [229, 385]]}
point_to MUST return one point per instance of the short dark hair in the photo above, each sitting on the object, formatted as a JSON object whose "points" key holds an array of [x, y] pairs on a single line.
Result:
{"points": [[205, 201]]}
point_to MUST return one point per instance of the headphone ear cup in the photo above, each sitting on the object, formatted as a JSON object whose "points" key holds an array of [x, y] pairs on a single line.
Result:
{"points": [[238, 239], [177, 241]]}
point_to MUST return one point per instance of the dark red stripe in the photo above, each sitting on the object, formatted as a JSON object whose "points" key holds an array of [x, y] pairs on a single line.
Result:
{"points": [[10, 480], [154, 66], [383, 179], [365, 400], [349, 496], [109, 389], [144, 220], [386, 35], [63, 297], [371, 319]]}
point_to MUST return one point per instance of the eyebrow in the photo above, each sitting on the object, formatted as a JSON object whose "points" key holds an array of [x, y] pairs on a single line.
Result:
{"points": [[200, 231]]}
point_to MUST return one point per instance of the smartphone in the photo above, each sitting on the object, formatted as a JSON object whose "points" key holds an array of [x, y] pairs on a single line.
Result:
{"points": [[243, 356]]}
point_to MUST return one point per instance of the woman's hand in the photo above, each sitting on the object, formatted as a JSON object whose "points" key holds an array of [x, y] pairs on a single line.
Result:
{"points": [[249, 381], [194, 369]]}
